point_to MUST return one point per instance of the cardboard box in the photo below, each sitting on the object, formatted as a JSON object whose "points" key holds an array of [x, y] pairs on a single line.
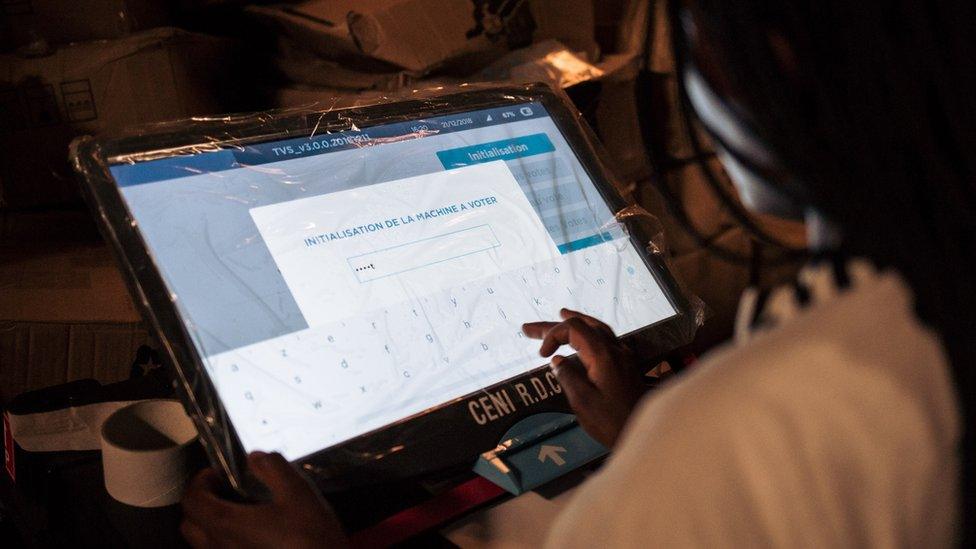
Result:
{"points": [[607, 15], [421, 35], [572, 22], [299, 65], [46, 227], [65, 314], [323, 98], [635, 47], [702, 207], [548, 61], [705, 211], [92, 87], [60, 22], [615, 114]]}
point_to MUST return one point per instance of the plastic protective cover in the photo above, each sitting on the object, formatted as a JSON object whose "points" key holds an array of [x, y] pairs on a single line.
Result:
{"points": [[441, 434]]}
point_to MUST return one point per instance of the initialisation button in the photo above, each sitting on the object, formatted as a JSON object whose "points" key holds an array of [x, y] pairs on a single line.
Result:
{"points": [[504, 149]]}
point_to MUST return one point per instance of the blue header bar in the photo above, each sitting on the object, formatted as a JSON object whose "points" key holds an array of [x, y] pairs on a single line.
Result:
{"points": [[276, 151]]}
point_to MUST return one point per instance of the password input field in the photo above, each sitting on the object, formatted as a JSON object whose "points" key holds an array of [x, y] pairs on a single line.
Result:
{"points": [[422, 253]]}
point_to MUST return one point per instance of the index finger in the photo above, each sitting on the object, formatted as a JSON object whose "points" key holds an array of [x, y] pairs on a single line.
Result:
{"points": [[537, 330], [589, 320], [586, 340]]}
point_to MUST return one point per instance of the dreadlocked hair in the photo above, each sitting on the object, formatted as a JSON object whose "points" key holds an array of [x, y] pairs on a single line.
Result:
{"points": [[872, 112]]}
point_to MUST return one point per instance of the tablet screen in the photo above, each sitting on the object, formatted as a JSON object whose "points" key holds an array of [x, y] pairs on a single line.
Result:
{"points": [[337, 284]]}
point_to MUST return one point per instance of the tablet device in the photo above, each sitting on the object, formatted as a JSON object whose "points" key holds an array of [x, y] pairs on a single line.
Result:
{"points": [[347, 287]]}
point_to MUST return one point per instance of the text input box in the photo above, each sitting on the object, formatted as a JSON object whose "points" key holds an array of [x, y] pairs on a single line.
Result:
{"points": [[422, 253]]}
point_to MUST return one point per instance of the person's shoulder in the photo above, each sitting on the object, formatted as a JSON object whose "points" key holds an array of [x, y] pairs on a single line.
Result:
{"points": [[858, 347], [850, 386]]}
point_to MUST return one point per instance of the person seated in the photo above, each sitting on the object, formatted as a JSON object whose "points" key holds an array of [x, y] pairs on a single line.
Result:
{"points": [[844, 415]]}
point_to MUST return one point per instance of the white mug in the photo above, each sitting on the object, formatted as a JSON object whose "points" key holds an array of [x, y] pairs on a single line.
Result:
{"points": [[144, 452]]}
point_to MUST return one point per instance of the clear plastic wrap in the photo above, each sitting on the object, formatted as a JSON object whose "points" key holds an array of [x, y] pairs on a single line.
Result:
{"points": [[346, 283]]}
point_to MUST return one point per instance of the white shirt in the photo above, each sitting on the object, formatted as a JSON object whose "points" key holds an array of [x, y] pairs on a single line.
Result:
{"points": [[837, 427]]}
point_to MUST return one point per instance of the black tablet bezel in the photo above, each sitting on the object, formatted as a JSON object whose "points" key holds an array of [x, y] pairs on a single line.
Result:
{"points": [[436, 439]]}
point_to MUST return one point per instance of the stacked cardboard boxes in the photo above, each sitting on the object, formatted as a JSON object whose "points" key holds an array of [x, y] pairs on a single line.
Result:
{"points": [[74, 68], [64, 315], [93, 87], [419, 37], [23, 22]]}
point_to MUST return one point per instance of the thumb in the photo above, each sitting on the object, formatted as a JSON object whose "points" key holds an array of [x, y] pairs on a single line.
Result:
{"points": [[571, 375], [276, 473]]}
